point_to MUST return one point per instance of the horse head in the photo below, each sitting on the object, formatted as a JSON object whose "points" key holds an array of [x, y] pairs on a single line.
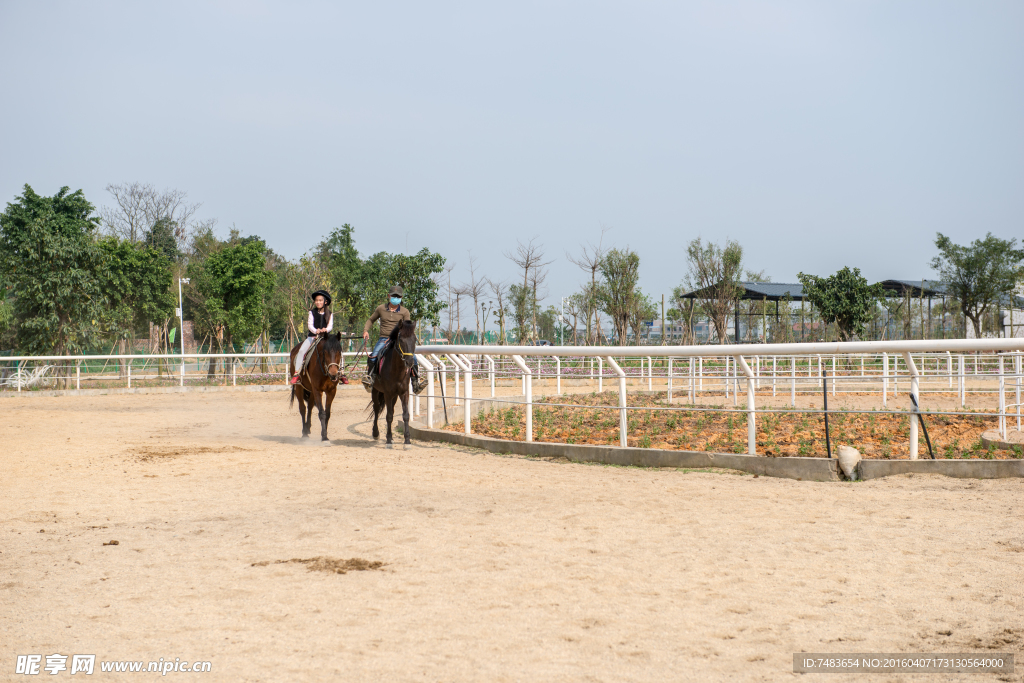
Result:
{"points": [[332, 358], [405, 342]]}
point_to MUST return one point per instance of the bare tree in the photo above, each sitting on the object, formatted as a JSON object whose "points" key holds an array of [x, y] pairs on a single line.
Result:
{"points": [[140, 206], [537, 278], [500, 291], [714, 272], [589, 261], [529, 257], [474, 289]]}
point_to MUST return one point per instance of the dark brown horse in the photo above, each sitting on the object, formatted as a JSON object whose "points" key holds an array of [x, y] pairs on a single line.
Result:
{"points": [[318, 382], [393, 379]]}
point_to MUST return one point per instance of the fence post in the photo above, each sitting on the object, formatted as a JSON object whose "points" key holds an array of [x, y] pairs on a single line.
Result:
{"points": [[741, 364], [78, 374], [528, 381], [700, 373], [792, 382], [775, 372], [600, 375], [670, 379], [234, 371], [181, 381], [833, 375], [462, 363], [623, 424], [1002, 399], [885, 377], [1016, 372], [558, 376], [430, 397], [961, 382], [129, 373], [915, 385], [949, 367], [650, 374], [490, 371]]}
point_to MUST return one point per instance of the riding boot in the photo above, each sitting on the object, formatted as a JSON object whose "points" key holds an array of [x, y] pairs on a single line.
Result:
{"points": [[418, 384], [370, 377]]}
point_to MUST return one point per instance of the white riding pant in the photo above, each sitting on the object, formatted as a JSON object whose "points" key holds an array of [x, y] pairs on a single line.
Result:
{"points": [[303, 350]]}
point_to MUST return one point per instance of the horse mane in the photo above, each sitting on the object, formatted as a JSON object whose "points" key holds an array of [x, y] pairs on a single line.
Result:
{"points": [[331, 342], [405, 328]]}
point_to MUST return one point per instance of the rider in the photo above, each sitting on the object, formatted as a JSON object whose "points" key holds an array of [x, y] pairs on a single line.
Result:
{"points": [[390, 314], [319, 321]]}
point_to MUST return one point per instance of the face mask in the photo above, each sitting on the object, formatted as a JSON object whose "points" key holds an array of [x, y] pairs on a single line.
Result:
{"points": [[395, 301]]}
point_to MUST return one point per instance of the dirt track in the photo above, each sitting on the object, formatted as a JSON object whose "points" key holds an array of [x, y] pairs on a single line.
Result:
{"points": [[496, 568]]}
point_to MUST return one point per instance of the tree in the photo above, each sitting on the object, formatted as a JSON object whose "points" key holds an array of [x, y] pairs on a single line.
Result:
{"points": [[135, 283], [414, 273], [713, 276], [140, 206], [521, 306], [500, 310], [979, 275], [589, 261], [845, 299], [49, 262], [240, 280], [529, 257], [618, 292], [643, 309], [345, 270], [474, 289]]}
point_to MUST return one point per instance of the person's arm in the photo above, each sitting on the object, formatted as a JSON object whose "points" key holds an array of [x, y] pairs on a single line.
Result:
{"points": [[369, 323], [309, 323], [330, 324]]}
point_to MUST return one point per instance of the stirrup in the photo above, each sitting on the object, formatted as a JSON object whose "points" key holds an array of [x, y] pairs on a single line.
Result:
{"points": [[418, 385]]}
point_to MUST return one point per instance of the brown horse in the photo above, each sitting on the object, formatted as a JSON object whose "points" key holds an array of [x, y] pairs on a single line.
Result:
{"points": [[393, 380], [318, 382]]}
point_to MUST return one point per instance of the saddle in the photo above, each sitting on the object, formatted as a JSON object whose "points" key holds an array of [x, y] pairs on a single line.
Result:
{"points": [[383, 354], [309, 354]]}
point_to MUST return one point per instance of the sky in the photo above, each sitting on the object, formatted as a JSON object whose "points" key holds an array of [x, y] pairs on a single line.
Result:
{"points": [[817, 134]]}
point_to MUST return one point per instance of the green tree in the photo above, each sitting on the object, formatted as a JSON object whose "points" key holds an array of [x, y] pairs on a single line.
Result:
{"points": [[135, 283], [714, 274], [414, 273], [618, 293], [521, 305], [240, 282], [845, 299], [979, 275], [49, 261], [345, 271]]}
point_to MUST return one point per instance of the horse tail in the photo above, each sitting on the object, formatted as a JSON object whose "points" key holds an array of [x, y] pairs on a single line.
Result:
{"points": [[291, 373]]}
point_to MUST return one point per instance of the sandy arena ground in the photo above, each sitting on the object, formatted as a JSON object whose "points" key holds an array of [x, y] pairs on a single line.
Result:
{"points": [[496, 568]]}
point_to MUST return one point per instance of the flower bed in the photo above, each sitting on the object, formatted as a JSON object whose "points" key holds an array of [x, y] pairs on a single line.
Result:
{"points": [[694, 428]]}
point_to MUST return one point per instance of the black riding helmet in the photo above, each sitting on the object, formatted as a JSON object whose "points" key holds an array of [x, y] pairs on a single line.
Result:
{"points": [[325, 295]]}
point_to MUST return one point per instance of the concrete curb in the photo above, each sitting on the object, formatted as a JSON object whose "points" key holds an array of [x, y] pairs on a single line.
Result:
{"points": [[801, 469]]}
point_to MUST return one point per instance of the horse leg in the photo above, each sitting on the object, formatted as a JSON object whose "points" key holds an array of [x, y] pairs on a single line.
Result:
{"points": [[405, 416], [307, 420], [297, 393], [328, 400], [318, 398], [377, 405], [390, 402]]}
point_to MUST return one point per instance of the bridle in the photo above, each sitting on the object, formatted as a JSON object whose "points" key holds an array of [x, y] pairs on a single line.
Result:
{"points": [[326, 368]]}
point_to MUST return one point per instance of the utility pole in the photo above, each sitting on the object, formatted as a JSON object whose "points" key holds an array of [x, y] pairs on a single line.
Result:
{"points": [[181, 316], [662, 319]]}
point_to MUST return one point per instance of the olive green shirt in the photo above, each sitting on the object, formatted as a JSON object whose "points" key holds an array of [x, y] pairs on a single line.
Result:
{"points": [[388, 319]]}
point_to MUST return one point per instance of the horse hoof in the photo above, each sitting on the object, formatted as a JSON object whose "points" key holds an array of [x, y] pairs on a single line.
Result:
{"points": [[326, 442], [388, 446]]}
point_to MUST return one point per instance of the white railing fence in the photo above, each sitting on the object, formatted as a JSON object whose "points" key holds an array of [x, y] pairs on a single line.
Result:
{"points": [[18, 373], [960, 367]]}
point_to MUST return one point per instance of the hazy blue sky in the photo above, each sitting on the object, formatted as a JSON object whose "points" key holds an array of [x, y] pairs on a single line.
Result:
{"points": [[818, 134]]}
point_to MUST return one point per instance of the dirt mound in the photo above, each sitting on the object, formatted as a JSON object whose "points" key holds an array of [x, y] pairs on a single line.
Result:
{"points": [[329, 564]]}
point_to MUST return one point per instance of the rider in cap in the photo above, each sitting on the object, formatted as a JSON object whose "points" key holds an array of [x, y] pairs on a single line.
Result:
{"points": [[389, 314], [319, 321]]}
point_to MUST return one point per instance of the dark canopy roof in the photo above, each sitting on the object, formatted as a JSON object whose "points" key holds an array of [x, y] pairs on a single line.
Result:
{"points": [[759, 291], [931, 288]]}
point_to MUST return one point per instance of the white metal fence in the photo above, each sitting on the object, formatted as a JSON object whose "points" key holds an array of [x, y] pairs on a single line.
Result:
{"points": [[966, 367], [26, 373]]}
